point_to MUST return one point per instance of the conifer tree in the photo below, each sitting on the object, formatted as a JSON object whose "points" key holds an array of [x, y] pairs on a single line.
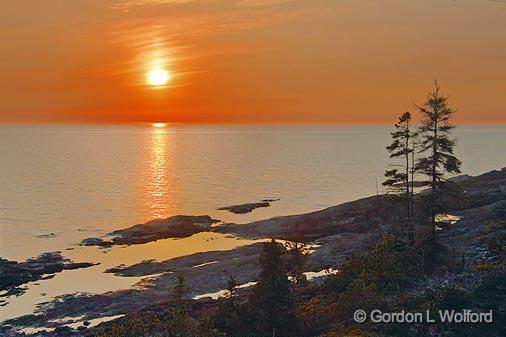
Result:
{"points": [[272, 297], [297, 250], [399, 181], [229, 316], [437, 145], [180, 324]]}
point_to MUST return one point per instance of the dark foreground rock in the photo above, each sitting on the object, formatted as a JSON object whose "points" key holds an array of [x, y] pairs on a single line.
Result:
{"points": [[247, 208], [179, 226], [14, 274], [197, 260]]}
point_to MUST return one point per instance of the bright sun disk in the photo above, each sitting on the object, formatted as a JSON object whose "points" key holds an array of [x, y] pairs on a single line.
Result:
{"points": [[158, 77], [159, 125]]}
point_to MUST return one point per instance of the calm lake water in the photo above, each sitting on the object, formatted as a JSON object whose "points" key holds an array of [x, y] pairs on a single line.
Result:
{"points": [[60, 184]]}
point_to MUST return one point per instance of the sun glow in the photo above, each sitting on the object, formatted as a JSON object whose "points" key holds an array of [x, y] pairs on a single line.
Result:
{"points": [[159, 125], [158, 77]]}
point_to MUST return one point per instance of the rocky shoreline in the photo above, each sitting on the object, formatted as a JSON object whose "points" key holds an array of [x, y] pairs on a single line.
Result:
{"points": [[248, 208], [335, 233], [15, 274], [179, 226]]}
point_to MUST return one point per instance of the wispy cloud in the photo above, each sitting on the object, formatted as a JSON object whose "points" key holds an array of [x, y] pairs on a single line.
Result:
{"points": [[212, 16], [261, 3], [128, 5], [175, 33]]}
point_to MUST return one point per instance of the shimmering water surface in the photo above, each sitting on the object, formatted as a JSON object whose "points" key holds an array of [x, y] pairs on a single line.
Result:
{"points": [[60, 184]]}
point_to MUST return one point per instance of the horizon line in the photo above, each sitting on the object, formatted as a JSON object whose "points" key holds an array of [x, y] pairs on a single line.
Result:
{"points": [[168, 123]]}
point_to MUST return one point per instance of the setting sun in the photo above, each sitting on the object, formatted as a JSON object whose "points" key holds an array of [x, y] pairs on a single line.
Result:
{"points": [[249, 167], [159, 125], [158, 77]]}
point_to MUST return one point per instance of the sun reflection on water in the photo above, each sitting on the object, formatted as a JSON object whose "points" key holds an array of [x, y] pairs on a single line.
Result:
{"points": [[159, 186]]}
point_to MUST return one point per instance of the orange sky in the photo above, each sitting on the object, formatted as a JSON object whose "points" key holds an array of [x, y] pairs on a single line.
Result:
{"points": [[240, 61]]}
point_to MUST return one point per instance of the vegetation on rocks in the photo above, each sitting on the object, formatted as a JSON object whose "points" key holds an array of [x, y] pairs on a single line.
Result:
{"points": [[390, 277], [448, 267]]}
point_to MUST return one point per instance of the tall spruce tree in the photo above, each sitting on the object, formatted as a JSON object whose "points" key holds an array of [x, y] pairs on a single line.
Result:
{"points": [[180, 324], [437, 145], [272, 297], [229, 318], [399, 181]]}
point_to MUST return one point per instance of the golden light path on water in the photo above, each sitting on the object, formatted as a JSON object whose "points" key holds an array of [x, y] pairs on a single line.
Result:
{"points": [[158, 189], [159, 170]]}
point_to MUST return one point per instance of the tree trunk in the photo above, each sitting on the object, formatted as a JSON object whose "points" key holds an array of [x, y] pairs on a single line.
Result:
{"points": [[408, 194], [412, 196], [434, 181]]}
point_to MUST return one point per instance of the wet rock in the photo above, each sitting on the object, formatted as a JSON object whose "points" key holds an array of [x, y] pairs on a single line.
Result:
{"points": [[46, 236], [179, 226], [247, 208], [45, 266], [92, 242], [270, 200]]}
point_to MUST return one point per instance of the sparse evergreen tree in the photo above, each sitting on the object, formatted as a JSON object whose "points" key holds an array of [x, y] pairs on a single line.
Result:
{"points": [[414, 148], [229, 318], [272, 297], [438, 146], [180, 324], [231, 287], [399, 181], [298, 251]]}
